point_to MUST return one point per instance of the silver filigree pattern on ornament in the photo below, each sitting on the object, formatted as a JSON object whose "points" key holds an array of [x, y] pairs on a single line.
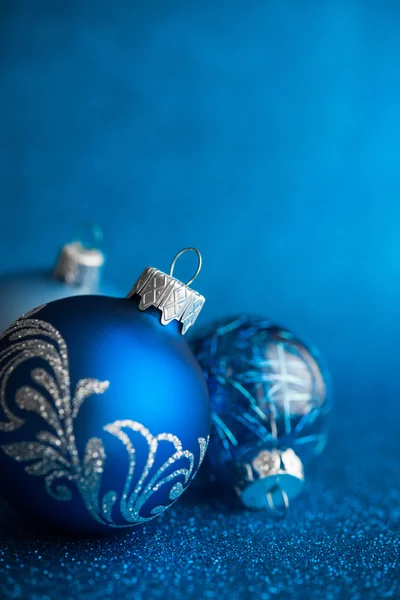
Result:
{"points": [[54, 455]]}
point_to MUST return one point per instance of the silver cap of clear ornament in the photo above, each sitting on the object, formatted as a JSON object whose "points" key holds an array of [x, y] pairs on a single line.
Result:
{"points": [[79, 265], [175, 299]]}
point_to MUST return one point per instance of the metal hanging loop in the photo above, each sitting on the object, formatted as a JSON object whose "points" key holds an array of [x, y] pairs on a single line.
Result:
{"points": [[281, 512], [171, 271], [97, 234]]}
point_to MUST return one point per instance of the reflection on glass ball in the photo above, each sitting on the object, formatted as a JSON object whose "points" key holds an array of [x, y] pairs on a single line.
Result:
{"points": [[267, 390]]}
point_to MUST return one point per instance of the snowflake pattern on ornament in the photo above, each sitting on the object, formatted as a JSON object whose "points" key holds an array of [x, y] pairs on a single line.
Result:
{"points": [[266, 388]]}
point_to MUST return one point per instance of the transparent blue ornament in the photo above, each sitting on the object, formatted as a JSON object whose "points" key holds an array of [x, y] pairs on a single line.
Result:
{"points": [[269, 406], [104, 411], [78, 272]]}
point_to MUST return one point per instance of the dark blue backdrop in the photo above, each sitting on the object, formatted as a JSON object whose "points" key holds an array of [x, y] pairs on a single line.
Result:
{"points": [[267, 134]]}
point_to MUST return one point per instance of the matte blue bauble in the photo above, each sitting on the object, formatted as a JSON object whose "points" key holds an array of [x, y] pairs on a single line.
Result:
{"points": [[104, 416], [21, 292], [269, 406]]}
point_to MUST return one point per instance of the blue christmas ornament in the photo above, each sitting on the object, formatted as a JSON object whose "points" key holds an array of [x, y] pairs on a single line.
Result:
{"points": [[104, 412], [78, 272], [269, 407]]}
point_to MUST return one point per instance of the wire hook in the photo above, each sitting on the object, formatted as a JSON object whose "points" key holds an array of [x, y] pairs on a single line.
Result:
{"points": [[171, 271], [281, 513]]}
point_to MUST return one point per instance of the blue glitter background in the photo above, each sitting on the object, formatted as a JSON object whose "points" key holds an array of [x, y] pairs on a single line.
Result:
{"points": [[267, 134]]}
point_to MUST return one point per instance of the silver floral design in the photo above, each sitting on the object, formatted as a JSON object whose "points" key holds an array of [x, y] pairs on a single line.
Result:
{"points": [[54, 454]]}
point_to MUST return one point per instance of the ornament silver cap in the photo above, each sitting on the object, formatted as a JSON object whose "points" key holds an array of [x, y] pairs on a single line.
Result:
{"points": [[79, 266], [269, 480], [176, 300]]}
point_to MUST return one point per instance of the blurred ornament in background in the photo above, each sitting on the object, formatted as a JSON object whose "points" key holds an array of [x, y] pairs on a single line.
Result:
{"points": [[78, 272], [104, 410], [269, 409]]}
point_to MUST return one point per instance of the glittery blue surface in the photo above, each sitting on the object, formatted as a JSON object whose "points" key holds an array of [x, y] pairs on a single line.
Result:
{"points": [[340, 540], [266, 134]]}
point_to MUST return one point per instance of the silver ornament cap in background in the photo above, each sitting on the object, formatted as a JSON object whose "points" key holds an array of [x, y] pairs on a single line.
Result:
{"points": [[79, 266], [176, 300], [269, 480]]}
